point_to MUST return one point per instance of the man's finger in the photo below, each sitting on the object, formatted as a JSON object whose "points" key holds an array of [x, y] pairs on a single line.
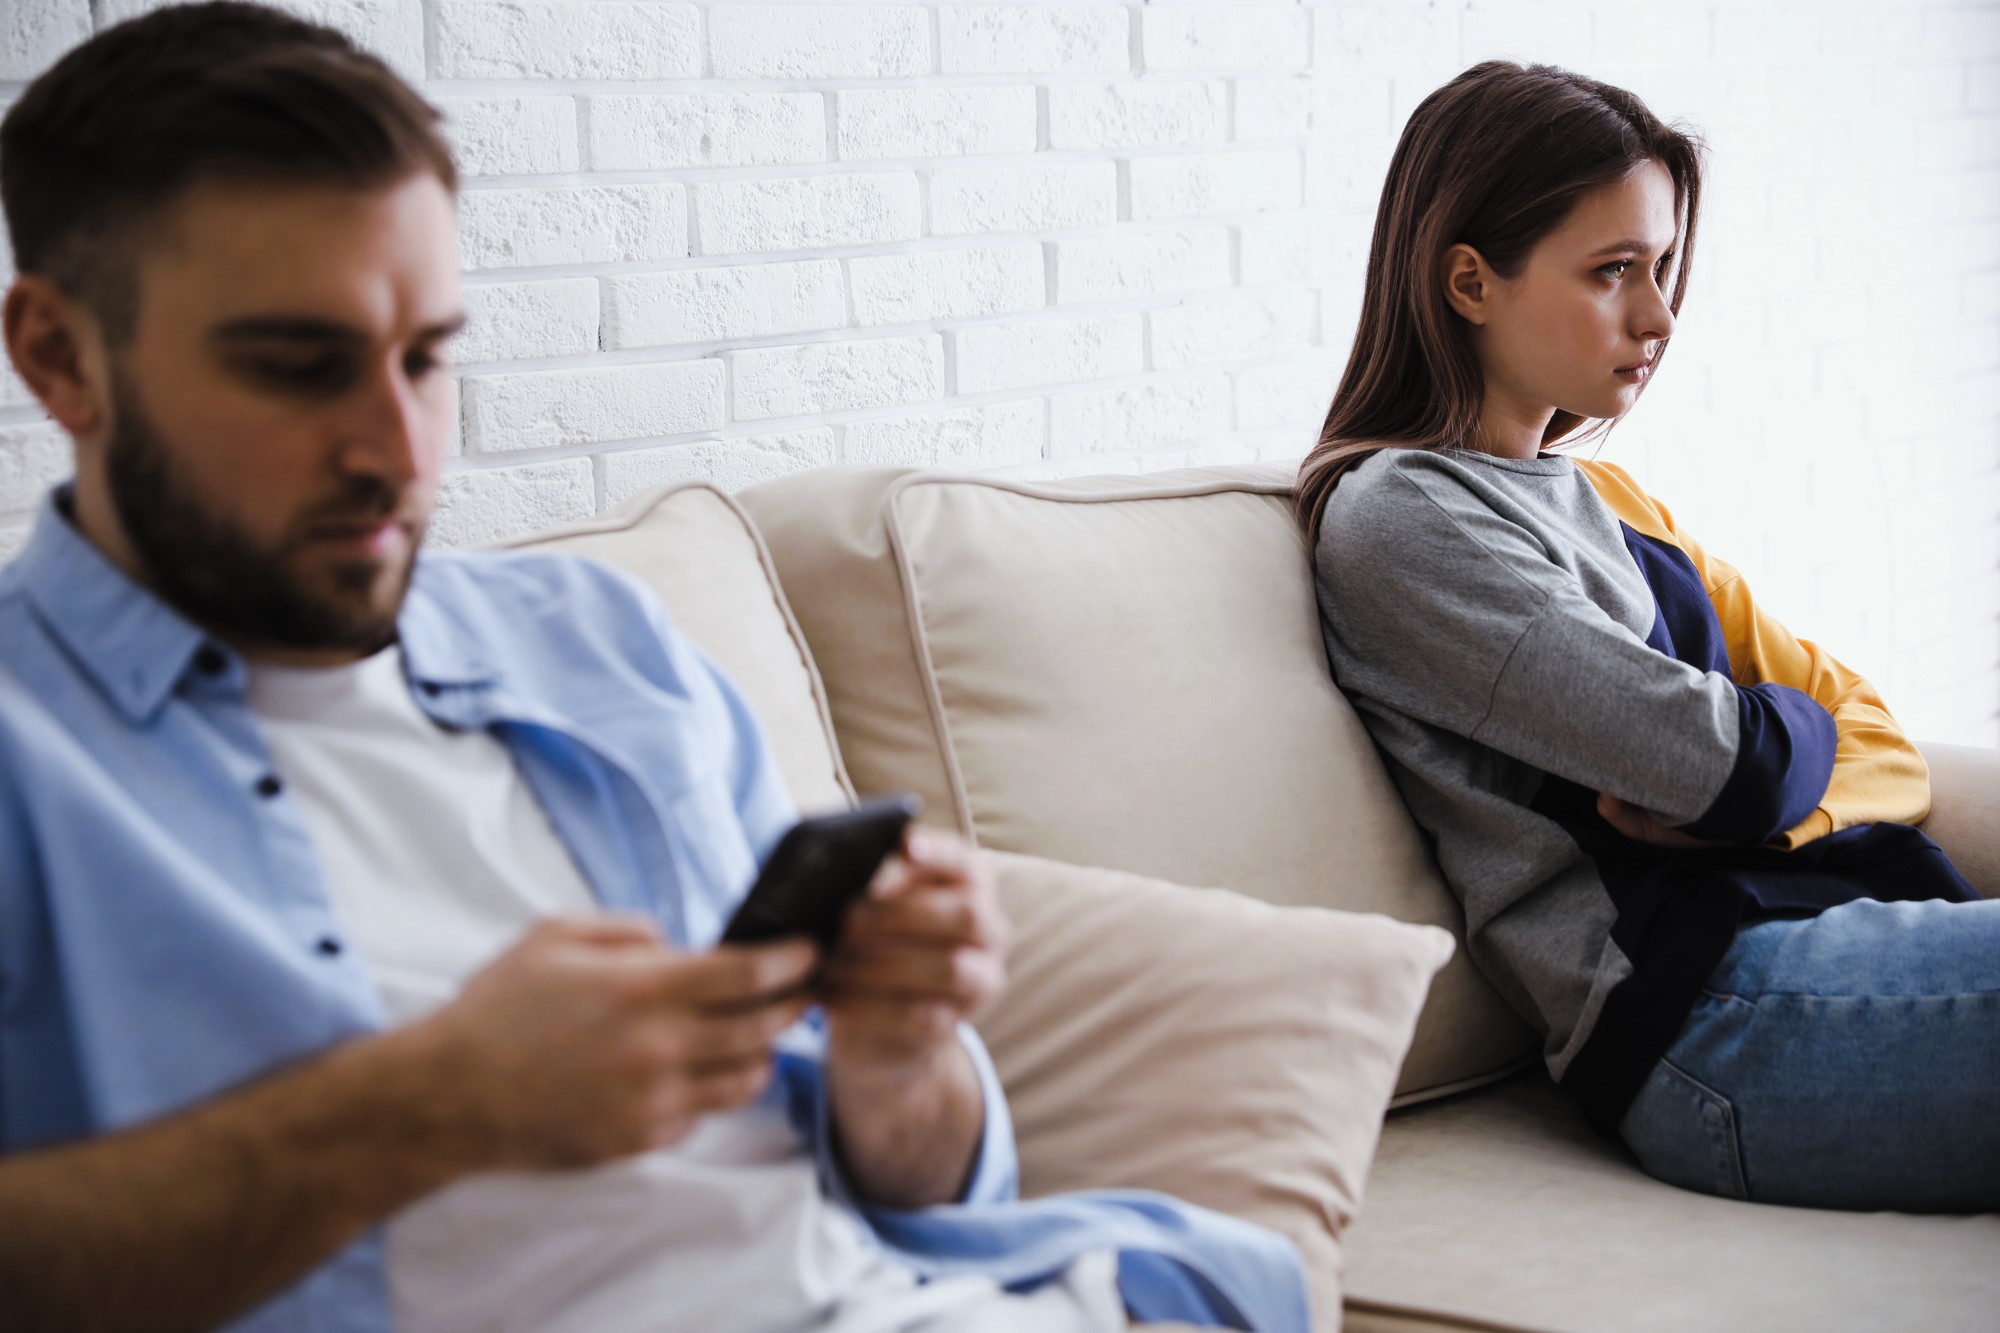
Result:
{"points": [[731, 1037], [958, 975], [943, 915], [742, 974]]}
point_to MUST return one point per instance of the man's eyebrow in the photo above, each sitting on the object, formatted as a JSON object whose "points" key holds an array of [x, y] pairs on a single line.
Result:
{"points": [[306, 329], [1627, 247]]}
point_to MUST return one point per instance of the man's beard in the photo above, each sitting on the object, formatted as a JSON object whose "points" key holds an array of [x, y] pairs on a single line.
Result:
{"points": [[212, 572]]}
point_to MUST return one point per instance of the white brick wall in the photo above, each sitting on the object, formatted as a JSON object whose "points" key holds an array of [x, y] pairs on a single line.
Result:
{"points": [[734, 240]]}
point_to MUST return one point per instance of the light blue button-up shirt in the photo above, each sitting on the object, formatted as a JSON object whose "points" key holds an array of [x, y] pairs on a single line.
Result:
{"points": [[165, 933]]}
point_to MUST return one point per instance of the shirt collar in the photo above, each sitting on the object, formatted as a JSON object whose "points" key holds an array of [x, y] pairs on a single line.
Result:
{"points": [[133, 645], [137, 649], [440, 650]]}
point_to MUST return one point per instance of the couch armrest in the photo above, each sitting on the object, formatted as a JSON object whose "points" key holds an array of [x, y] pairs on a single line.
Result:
{"points": [[1965, 811]]}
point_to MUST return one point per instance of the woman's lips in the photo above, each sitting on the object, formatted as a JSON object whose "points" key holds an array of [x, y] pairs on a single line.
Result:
{"points": [[1634, 374]]}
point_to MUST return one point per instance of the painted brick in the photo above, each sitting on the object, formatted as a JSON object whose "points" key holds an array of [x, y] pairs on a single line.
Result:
{"points": [[1275, 249], [1235, 328], [1525, 31], [14, 534], [1960, 141], [493, 504], [713, 304], [1235, 36], [1109, 268], [1140, 416], [547, 409], [1290, 395], [392, 29], [512, 321], [947, 284], [1273, 108], [1348, 39], [837, 376], [34, 32], [799, 42], [1181, 185], [33, 457], [1132, 115], [730, 464], [13, 390], [593, 224], [743, 217], [936, 122], [1037, 197], [1037, 39], [512, 136], [706, 130], [968, 438], [553, 39], [1048, 351]]}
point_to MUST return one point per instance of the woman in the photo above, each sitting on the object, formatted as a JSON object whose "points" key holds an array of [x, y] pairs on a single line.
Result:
{"points": [[1681, 836]]}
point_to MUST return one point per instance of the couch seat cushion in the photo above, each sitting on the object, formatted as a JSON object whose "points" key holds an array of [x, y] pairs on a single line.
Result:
{"points": [[1503, 1205], [1122, 672]]}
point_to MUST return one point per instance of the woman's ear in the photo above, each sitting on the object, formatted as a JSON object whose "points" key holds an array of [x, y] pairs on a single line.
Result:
{"points": [[1468, 283]]}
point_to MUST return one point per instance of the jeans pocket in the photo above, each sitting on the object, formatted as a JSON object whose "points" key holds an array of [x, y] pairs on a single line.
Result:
{"points": [[1684, 1132]]}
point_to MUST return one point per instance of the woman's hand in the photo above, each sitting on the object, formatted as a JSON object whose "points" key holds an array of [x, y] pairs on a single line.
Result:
{"points": [[1643, 825]]}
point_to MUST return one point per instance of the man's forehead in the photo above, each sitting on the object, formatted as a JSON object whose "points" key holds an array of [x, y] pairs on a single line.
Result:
{"points": [[376, 259]]}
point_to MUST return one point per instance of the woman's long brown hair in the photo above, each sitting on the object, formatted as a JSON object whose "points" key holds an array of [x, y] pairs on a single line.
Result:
{"points": [[1495, 159]]}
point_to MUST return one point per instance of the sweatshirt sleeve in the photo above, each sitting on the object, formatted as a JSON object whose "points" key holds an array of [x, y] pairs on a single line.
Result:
{"points": [[1443, 608], [1878, 773]]}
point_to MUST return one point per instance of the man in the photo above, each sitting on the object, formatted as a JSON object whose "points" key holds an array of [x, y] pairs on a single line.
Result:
{"points": [[309, 1015]]}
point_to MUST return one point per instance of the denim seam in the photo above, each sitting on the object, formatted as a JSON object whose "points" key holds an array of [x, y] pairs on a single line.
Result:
{"points": [[1732, 1144]]}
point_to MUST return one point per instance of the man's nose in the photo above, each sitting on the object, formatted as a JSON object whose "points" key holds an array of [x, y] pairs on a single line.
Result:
{"points": [[386, 435]]}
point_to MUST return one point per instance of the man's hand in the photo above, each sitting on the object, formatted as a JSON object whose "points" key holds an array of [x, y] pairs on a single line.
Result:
{"points": [[923, 952], [1643, 825], [590, 1039]]}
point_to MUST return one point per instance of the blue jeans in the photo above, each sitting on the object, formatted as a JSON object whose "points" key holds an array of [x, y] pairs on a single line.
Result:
{"points": [[1847, 1060]]}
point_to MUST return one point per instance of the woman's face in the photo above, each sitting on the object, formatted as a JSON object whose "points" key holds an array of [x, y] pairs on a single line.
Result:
{"points": [[1580, 325]]}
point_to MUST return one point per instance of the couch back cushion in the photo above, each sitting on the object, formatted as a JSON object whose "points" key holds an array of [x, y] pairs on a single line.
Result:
{"points": [[695, 548], [1123, 672]]}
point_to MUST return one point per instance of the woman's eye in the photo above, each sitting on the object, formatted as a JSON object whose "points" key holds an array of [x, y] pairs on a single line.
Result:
{"points": [[1616, 268]]}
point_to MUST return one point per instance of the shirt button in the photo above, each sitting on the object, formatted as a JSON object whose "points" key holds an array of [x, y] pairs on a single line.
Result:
{"points": [[328, 946], [269, 785], [210, 661]]}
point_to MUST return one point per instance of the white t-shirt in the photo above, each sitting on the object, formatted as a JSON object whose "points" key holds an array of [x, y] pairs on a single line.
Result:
{"points": [[437, 856]]}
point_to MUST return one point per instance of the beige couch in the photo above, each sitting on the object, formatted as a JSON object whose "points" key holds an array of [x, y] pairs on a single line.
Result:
{"points": [[1127, 672]]}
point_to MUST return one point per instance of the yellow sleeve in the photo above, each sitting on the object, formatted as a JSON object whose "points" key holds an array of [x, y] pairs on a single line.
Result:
{"points": [[1878, 774]]}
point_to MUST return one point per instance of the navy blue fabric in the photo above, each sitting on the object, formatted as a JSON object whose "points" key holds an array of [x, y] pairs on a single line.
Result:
{"points": [[1784, 759], [1785, 755], [1679, 910]]}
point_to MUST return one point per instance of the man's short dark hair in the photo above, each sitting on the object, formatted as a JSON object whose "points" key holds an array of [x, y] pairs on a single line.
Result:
{"points": [[114, 132]]}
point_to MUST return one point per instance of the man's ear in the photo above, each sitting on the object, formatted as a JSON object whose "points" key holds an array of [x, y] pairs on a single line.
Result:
{"points": [[1469, 283], [57, 346]]}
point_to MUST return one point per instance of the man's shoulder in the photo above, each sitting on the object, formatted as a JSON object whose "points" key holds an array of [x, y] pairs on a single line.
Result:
{"points": [[539, 586]]}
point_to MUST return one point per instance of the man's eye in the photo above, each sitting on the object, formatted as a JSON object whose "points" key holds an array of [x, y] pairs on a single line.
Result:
{"points": [[419, 364], [319, 372]]}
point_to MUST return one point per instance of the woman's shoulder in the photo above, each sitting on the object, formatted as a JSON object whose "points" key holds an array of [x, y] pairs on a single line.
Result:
{"points": [[1399, 483]]}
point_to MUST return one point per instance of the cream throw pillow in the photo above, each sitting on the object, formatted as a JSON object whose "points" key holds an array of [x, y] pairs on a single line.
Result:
{"points": [[1195, 1041]]}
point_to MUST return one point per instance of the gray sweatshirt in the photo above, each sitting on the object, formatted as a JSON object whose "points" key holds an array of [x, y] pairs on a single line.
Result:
{"points": [[1514, 650]]}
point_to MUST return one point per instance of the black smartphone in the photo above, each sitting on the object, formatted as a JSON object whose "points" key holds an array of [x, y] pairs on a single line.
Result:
{"points": [[820, 866]]}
